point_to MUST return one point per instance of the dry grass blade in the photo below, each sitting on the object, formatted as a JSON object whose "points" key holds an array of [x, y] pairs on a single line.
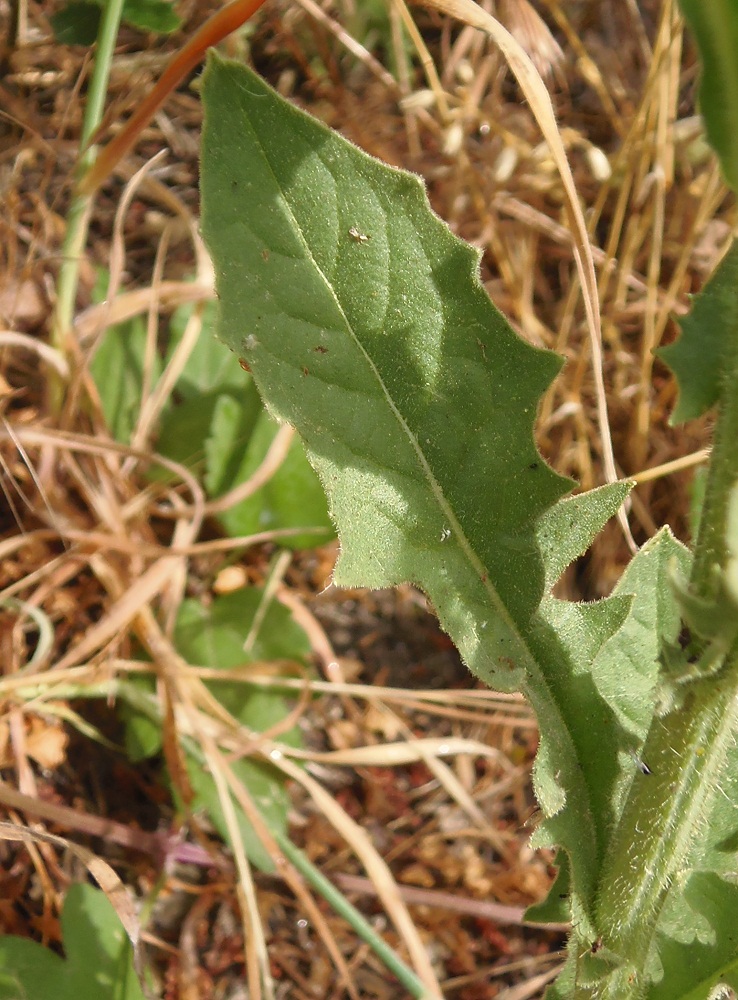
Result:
{"points": [[531, 31], [72, 819], [483, 909], [376, 868], [128, 304], [668, 468], [52, 357], [530, 988], [426, 59], [100, 870], [353, 46], [228, 785], [393, 754], [121, 614], [257, 959], [276, 454]]}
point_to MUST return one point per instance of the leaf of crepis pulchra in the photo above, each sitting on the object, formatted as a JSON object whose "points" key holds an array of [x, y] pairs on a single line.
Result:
{"points": [[364, 323], [697, 356]]}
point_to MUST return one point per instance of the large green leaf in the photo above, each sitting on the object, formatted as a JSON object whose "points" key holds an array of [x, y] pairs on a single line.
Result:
{"points": [[697, 358], [365, 325]]}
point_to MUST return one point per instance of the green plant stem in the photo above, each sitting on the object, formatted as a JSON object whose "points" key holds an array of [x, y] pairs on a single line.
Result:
{"points": [[665, 812], [686, 750], [78, 216], [711, 551]]}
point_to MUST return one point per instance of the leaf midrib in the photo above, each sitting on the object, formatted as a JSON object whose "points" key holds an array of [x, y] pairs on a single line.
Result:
{"points": [[527, 658]]}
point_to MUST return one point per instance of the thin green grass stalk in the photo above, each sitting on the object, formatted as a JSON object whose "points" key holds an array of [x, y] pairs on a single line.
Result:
{"points": [[78, 216], [351, 915]]}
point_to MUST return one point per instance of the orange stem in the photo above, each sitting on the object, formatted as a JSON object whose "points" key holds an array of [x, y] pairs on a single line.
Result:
{"points": [[214, 30]]}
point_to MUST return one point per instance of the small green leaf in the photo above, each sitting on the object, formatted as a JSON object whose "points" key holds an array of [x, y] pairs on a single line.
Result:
{"points": [[566, 530], [211, 366], [212, 371], [77, 23], [697, 357], [29, 970], [143, 735], [577, 763], [183, 431], [292, 498], [99, 956], [691, 966], [151, 15], [216, 426], [117, 368], [555, 908], [213, 636], [264, 784], [715, 25], [697, 489], [626, 672]]}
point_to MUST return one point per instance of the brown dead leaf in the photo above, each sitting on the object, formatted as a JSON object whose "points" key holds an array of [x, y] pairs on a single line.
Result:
{"points": [[23, 305], [417, 874], [46, 742]]}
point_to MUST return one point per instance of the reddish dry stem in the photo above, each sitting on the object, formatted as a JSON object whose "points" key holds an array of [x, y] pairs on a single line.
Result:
{"points": [[214, 30]]}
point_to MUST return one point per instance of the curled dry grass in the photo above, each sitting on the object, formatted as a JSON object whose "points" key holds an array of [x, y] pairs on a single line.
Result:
{"points": [[426, 788]]}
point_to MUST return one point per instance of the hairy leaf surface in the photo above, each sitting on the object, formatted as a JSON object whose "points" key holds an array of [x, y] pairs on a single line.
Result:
{"points": [[365, 325], [565, 531], [697, 357]]}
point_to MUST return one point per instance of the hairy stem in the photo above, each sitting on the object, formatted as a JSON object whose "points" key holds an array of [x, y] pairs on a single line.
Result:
{"points": [[686, 749], [711, 552], [665, 813]]}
